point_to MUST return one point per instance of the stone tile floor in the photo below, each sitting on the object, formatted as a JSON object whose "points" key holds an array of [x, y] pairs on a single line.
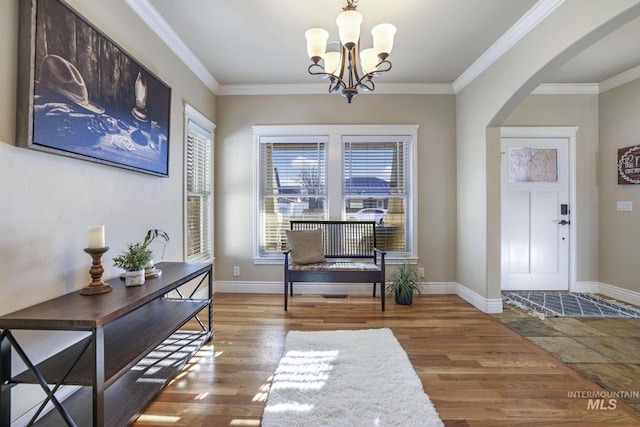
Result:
{"points": [[607, 351]]}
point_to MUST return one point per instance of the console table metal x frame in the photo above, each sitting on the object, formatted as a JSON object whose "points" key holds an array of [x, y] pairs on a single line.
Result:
{"points": [[89, 353]]}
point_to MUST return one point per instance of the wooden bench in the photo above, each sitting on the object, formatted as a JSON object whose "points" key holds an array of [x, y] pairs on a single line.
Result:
{"points": [[350, 252]]}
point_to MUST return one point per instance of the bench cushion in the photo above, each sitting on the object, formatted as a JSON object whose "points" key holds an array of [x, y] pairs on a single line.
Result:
{"points": [[306, 246], [336, 266]]}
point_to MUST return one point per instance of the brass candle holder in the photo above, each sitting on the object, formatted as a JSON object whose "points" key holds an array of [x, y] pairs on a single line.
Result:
{"points": [[97, 286]]}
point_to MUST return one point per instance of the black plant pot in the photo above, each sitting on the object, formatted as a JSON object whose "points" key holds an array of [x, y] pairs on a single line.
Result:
{"points": [[404, 299]]}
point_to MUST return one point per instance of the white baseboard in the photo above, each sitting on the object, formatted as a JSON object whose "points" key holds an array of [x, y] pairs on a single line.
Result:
{"points": [[439, 288], [483, 304], [618, 293], [588, 287], [486, 305], [298, 288], [321, 288]]}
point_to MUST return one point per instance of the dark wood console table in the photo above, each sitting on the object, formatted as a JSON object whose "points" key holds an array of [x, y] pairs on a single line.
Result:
{"points": [[134, 346]]}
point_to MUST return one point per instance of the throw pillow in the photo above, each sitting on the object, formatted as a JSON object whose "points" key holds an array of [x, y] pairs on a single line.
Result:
{"points": [[306, 246]]}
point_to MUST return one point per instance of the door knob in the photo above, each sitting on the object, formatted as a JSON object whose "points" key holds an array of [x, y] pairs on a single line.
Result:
{"points": [[564, 222]]}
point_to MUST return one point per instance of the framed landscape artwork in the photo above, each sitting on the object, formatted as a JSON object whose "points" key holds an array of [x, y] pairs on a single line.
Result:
{"points": [[81, 95]]}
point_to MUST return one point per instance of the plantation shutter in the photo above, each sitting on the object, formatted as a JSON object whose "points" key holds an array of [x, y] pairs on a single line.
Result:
{"points": [[199, 193]]}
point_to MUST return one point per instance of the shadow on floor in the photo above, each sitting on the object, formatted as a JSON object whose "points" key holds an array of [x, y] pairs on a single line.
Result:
{"points": [[607, 351]]}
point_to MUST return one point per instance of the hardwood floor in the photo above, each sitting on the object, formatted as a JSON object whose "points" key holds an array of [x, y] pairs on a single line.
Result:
{"points": [[476, 371]]}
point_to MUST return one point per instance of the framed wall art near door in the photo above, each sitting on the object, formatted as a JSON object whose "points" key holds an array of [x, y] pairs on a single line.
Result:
{"points": [[629, 165], [83, 96]]}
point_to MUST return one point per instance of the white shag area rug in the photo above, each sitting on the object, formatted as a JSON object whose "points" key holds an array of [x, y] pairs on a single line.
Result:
{"points": [[346, 379]]}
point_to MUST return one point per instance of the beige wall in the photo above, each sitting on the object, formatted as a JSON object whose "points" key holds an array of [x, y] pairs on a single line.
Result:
{"points": [[619, 231], [235, 175], [47, 202], [581, 111], [488, 100]]}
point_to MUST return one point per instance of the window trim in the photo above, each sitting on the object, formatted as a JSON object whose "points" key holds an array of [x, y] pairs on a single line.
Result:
{"points": [[335, 135], [193, 115]]}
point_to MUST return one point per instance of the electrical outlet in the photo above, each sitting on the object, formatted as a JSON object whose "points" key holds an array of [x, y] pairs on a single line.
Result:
{"points": [[236, 270], [421, 272]]}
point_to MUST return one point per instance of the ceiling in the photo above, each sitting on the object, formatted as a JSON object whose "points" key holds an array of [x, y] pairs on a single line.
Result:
{"points": [[248, 45]]}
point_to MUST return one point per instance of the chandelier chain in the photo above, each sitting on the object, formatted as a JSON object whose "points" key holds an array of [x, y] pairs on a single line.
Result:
{"points": [[351, 5]]}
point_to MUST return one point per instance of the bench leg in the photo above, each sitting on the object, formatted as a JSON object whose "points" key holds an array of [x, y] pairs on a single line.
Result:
{"points": [[286, 294], [382, 294], [374, 290]]}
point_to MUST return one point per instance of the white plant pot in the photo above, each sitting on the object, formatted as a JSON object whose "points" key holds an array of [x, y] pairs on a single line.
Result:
{"points": [[133, 278]]}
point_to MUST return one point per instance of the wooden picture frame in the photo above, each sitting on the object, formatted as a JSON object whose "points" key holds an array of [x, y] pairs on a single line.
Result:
{"points": [[81, 95], [629, 165]]}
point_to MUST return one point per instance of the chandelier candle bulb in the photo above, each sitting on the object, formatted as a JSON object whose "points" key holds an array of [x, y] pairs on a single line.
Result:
{"points": [[96, 237], [349, 27], [332, 62], [369, 60], [383, 38], [316, 42]]}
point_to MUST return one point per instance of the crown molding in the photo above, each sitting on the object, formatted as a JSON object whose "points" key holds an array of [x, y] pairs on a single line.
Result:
{"points": [[158, 25], [524, 25], [567, 89], [620, 79], [321, 89]]}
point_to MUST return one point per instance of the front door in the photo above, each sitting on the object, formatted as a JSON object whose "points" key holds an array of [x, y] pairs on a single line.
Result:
{"points": [[535, 213]]}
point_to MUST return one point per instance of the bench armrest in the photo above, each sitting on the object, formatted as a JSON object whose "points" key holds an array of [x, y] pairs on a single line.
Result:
{"points": [[286, 259]]}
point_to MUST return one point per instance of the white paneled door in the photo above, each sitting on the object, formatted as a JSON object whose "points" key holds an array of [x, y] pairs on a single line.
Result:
{"points": [[535, 213]]}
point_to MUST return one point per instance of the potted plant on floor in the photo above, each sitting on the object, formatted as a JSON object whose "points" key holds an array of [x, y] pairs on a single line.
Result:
{"points": [[405, 281], [133, 261]]}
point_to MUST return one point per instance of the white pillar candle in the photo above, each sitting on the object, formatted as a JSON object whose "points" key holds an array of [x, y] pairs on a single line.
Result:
{"points": [[96, 237]]}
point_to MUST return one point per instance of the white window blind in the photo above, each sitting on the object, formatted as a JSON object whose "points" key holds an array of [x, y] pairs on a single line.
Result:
{"points": [[375, 186], [335, 172], [292, 186], [199, 184]]}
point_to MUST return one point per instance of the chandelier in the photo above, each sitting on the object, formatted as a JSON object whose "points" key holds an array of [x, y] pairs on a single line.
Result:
{"points": [[346, 66]]}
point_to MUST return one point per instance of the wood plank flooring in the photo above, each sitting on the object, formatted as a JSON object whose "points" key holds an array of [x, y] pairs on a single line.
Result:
{"points": [[476, 371]]}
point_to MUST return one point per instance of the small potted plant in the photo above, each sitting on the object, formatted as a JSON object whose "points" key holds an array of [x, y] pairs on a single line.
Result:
{"points": [[133, 261], [154, 235], [405, 281]]}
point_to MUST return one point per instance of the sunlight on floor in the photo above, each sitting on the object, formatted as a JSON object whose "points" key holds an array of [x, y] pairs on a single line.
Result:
{"points": [[244, 423], [160, 419], [201, 396], [263, 391], [302, 371], [289, 407]]}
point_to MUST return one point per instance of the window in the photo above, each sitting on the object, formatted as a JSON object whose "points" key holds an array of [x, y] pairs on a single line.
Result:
{"points": [[199, 186], [350, 172], [375, 186], [292, 186]]}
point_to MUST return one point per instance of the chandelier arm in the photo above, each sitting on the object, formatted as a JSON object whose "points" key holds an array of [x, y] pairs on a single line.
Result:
{"points": [[343, 56], [354, 54], [384, 70], [318, 70], [337, 84], [366, 83]]}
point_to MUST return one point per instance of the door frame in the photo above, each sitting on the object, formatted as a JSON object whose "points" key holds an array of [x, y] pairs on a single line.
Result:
{"points": [[568, 132]]}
